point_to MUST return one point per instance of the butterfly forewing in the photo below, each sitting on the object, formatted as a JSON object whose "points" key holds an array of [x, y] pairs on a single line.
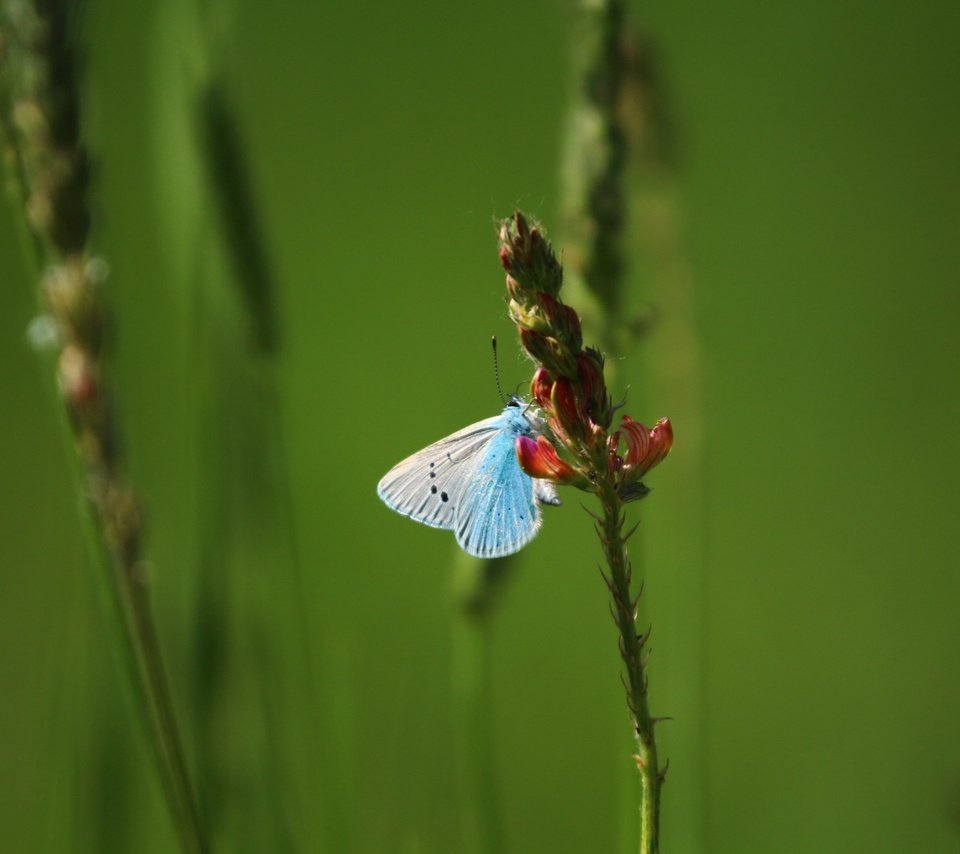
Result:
{"points": [[428, 485]]}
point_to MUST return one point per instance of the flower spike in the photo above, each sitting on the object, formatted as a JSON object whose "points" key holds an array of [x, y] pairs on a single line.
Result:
{"points": [[569, 388]]}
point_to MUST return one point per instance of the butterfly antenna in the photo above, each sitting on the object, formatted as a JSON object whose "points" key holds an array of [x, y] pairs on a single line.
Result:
{"points": [[496, 367]]}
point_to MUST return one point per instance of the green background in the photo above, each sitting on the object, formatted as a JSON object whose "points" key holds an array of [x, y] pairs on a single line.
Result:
{"points": [[800, 547]]}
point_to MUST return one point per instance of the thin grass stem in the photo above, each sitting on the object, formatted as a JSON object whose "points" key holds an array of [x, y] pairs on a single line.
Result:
{"points": [[41, 122]]}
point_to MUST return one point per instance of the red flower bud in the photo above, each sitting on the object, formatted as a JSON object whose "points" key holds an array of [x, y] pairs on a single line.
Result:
{"points": [[520, 222], [551, 306], [535, 344], [539, 459], [594, 388], [540, 388], [567, 410], [564, 320], [571, 321]]}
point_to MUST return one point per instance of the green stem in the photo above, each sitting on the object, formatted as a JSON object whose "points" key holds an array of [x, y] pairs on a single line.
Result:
{"points": [[111, 528], [114, 532], [111, 531], [631, 650], [132, 595], [125, 596], [39, 96]]}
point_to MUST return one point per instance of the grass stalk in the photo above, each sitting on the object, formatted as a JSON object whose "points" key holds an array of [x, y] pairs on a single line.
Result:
{"points": [[254, 641], [50, 169], [593, 193]]}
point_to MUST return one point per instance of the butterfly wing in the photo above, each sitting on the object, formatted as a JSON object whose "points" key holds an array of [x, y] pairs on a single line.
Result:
{"points": [[428, 486], [498, 513]]}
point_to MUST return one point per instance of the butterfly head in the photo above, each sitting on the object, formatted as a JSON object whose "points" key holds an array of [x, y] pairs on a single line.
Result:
{"points": [[523, 415]]}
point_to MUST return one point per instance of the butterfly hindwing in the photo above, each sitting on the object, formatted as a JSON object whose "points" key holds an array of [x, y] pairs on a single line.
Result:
{"points": [[428, 485], [498, 514]]}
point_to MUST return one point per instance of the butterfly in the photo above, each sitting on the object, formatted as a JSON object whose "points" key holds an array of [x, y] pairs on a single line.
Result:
{"points": [[471, 483]]}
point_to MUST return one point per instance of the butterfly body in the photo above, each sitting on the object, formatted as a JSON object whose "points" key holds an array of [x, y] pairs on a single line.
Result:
{"points": [[471, 483]]}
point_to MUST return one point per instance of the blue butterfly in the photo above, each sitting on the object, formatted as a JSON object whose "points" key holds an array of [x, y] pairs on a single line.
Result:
{"points": [[471, 483]]}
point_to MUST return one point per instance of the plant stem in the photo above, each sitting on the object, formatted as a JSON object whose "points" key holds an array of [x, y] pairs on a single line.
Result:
{"points": [[42, 120], [132, 597], [624, 611]]}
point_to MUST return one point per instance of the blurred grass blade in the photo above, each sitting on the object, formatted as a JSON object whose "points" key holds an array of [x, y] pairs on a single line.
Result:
{"points": [[618, 119], [254, 681], [42, 119]]}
